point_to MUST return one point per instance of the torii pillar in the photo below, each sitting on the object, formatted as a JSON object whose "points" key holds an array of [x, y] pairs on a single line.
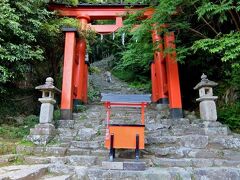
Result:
{"points": [[67, 81], [158, 68], [164, 73], [81, 69], [174, 92], [75, 70]]}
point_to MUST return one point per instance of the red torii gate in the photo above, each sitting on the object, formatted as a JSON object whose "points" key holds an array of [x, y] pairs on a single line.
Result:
{"points": [[164, 70]]}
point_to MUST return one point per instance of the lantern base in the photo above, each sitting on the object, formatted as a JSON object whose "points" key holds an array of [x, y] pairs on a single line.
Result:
{"points": [[42, 134]]}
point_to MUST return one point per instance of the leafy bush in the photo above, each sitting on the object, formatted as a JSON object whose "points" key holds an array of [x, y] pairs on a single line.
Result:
{"points": [[13, 131], [56, 115], [230, 115]]}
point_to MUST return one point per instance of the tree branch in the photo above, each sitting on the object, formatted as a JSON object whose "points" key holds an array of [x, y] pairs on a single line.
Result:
{"points": [[197, 32], [209, 25], [234, 20]]}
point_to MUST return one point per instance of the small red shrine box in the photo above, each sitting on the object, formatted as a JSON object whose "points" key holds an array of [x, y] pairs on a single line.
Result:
{"points": [[125, 136]]}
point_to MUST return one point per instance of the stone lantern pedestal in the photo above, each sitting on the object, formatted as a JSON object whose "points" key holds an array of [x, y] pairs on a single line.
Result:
{"points": [[43, 132], [207, 106]]}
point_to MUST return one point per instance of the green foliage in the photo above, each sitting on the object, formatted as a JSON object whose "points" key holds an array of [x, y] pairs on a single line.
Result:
{"points": [[80, 108], [56, 115], [93, 93], [142, 86], [20, 24], [93, 69], [230, 115], [228, 46], [13, 131]]}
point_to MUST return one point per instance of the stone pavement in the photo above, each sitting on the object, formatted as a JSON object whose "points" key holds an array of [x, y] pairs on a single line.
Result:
{"points": [[189, 149]]}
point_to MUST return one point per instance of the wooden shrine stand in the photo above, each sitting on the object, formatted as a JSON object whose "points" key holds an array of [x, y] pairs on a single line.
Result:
{"points": [[125, 136]]}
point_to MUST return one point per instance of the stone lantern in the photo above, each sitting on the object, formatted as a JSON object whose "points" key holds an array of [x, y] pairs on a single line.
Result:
{"points": [[208, 110], [45, 130]]}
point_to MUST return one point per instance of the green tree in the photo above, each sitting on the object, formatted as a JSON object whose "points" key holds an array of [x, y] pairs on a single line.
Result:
{"points": [[20, 23]]}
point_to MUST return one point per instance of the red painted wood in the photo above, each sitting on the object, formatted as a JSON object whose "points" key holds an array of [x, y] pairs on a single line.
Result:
{"points": [[155, 95], [172, 72], [67, 88], [76, 68], [105, 29], [81, 59], [85, 84], [98, 13], [159, 66]]}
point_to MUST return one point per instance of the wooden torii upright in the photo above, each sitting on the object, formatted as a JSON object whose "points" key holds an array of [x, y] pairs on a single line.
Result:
{"points": [[164, 70]]}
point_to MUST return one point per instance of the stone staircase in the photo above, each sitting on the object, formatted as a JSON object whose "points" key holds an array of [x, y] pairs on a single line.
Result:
{"points": [[175, 149]]}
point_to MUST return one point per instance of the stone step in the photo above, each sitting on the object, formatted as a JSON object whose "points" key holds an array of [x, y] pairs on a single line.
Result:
{"points": [[78, 151], [61, 177], [83, 160], [179, 131], [30, 172], [184, 152], [194, 162], [196, 141], [213, 173], [87, 144], [227, 142], [67, 131], [66, 123], [8, 158], [73, 160], [41, 150]]}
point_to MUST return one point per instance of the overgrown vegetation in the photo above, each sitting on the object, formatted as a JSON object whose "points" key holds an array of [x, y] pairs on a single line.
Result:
{"points": [[18, 130]]}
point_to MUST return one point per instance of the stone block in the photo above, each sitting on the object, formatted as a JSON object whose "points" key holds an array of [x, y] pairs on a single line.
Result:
{"points": [[42, 134], [78, 151], [40, 139], [7, 158], [205, 153], [208, 110], [86, 144], [56, 151], [167, 162], [25, 172], [202, 162], [226, 163], [63, 177], [134, 166], [214, 173], [112, 165], [43, 129], [213, 131], [60, 169], [86, 134], [66, 123], [80, 172], [194, 141], [161, 139], [46, 113], [36, 160], [82, 160]]}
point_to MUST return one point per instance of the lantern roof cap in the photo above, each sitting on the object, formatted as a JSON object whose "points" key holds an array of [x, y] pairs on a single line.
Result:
{"points": [[48, 86], [205, 82]]}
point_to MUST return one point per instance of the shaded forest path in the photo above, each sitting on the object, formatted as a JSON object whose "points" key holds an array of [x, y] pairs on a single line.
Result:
{"points": [[98, 80]]}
